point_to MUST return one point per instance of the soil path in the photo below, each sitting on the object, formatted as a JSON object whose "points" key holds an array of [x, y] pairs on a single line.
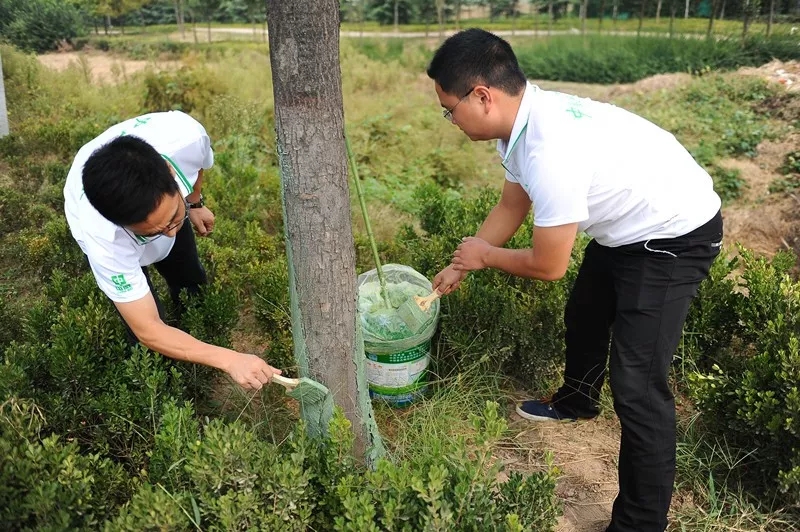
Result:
{"points": [[102, 67]]}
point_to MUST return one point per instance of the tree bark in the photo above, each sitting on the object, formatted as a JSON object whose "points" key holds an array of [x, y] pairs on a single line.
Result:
{"points": [[746, 15], [658, 11], [584, 8], [3, 109], [641, 18], [396, 15], [711, 19], [179, 16], [672, 9], [309, 121], [600, 16], [771, 18], [686, 11]]}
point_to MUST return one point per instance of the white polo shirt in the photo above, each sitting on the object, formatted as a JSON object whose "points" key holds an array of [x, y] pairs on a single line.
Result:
{"points": [[115, 257], [620, 177]]}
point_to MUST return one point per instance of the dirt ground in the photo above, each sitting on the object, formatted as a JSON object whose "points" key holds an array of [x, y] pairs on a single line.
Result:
{"points": [[586, 452], [104, 68]]}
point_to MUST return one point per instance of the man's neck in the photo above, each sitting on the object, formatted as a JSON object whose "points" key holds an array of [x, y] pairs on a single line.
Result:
{"points": [[509, 107]]}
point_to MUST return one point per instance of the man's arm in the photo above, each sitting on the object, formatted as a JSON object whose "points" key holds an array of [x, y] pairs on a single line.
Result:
{"points": [[547, 260], [506, 217], [497, 229], [249, 371]]}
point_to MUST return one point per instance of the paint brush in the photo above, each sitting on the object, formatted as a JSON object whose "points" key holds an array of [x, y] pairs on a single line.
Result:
{"points": [[305, 390], [414, 312]]}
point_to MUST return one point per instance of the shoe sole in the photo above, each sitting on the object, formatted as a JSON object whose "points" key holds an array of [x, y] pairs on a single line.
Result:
{"points": [[530, 417]]}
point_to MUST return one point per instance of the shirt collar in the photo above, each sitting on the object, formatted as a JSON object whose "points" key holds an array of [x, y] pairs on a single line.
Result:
{"points": [[520, 122]]}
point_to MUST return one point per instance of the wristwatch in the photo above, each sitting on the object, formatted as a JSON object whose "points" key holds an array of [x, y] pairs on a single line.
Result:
{"points": [[199, 204]]}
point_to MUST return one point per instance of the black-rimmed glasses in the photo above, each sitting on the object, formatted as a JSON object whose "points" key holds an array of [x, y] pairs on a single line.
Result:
{"points": [[448, 113], [146, 239]]}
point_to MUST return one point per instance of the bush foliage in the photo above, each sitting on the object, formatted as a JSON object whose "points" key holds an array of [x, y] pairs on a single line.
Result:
{"points": [[609, 59], [94, 435]]}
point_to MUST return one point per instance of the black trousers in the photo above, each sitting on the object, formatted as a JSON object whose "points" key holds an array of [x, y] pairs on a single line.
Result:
{"points": [[636, 297], [181, 269]]}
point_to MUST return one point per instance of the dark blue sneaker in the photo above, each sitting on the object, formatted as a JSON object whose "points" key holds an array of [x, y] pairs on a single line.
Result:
{"points": [[541, 411]]}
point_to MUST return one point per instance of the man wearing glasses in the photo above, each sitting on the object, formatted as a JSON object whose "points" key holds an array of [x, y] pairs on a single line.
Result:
{"points": [[128, 197], [656, 227]]}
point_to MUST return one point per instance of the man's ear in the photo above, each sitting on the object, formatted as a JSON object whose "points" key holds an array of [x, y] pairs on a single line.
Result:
{"points": [[486, 97]]}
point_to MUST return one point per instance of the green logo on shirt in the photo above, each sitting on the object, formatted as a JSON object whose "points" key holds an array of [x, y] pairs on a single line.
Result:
{"points": [[120, 283]]}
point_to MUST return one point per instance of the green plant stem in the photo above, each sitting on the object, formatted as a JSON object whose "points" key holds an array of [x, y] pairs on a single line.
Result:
{"points": [[370, 235]]}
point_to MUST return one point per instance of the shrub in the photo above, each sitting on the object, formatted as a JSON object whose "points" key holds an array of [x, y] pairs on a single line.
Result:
{"points": [[750, 395], [611, 59], [47, 484], [186, 89], [227, 479], [39, 25]]}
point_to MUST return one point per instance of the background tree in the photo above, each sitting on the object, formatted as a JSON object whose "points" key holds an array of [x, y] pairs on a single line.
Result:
{"points": [[206, 9], [39, 25], [3, 109], [309, 120]]}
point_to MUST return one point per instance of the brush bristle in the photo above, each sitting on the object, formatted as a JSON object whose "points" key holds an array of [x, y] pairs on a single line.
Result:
{"points": [[413, 316], [309, 391]]}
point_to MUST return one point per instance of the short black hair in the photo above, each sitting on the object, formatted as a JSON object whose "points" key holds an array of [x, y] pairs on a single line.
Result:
{"points": [[126, 179], [475, 56]]}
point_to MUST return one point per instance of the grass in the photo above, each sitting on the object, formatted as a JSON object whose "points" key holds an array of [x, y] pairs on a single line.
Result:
{"points": [[400, 140]]}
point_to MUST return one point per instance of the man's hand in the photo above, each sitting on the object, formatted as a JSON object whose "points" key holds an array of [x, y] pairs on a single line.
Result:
{"points": [[448, 280], [471, 254], [250, 371], [203, 220]]}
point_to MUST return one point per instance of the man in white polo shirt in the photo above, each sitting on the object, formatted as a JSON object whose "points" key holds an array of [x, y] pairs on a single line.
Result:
{"points": [[128, 196], [655, 224]]}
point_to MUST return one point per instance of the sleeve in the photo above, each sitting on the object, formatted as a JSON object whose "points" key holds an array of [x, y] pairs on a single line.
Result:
{"points": [[560, 191], [116, 270]]}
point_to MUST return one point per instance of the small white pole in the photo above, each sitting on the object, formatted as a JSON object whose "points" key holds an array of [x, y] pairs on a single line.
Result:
{"points": [[3, 112]]}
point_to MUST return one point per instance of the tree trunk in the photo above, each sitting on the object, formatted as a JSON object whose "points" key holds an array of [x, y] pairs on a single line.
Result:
{"points": [[722, 10], [309, 121], [658, 11], [458, 15], [711, 19], [550, 17], [614, 14], [396, 15], [3, 110], [672, 8], [600, 16], [178, 16], [440, 17], [584, 6], [107, 22], [208, 26], [641, 18], [771, 18], [686, 11], [746, 14]]}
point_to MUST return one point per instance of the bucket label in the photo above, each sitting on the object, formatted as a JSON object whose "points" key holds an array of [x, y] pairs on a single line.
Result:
{"points": [[395, 375], [399, 378]]}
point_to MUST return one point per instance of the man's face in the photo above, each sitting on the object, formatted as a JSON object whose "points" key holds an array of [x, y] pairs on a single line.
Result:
{"points": [[467, 111], [166, 219]]}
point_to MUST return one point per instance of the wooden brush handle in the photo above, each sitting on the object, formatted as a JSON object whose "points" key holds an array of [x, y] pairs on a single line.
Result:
{"points": [[425, 302], [286, 382]]}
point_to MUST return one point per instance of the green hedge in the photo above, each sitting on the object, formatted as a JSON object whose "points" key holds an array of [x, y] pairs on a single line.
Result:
{"points": [[613, 59], [743, 336]]}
